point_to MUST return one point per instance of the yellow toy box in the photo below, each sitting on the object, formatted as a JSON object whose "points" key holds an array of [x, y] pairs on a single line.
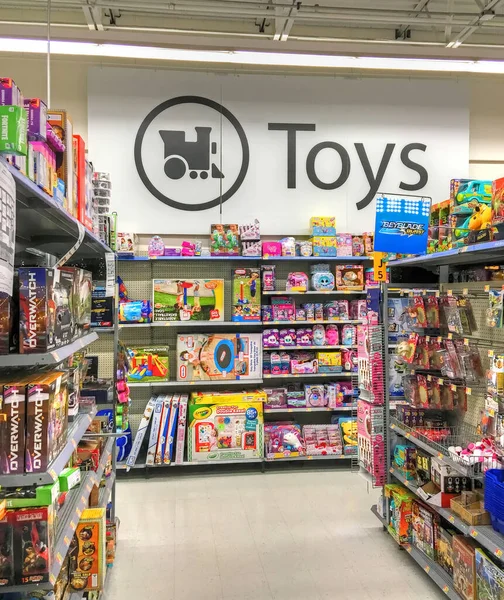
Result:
{"points": [[323, 225], [329, 362], [228, 397], [231, 431], [87, 552], [324, 245]]}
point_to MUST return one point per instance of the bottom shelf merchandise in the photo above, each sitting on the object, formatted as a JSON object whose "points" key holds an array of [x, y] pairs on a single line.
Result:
{"points": [[227, 427]]}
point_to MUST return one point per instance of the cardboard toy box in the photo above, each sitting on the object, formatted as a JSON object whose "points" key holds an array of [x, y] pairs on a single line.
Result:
{"points": [[424, 523], [47, 419], [81, 299], [489, 578], [246, 295], [13, 121], [447, 479], [33, 543], [45, 309], [43, 495], [12, 425], [84, 207], [225, 431], [465, 193], [219, 356], [444, 549], [224, 240], [464, 567], [10, 94], [7, 553], [498, 201], [148, 364], [349, 277], [37, 118], [87, 552], [188, 299], [62, 126]]}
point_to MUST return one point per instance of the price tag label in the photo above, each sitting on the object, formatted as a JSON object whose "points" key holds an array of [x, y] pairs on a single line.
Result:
{"points": [[440, 381], [59, 558], [309, 457], [392, 426], [427, 568], [391, 470], [289, 410], [408, 549], [406, 483], [308, 410], [79, 512], [439, 339], [465, 291], [56, 357], [74, 444], [449, 293], [446, 589], [52, 579], [429, 377], [466, 342], [468, 391], [53, 474], [490, 353], [440, 455], [88, 488], [407, 436], [380, 267], [453, 387], [66, 539], [73, 525], [427, 338], [473, 533], [437, 294], [168, 324], [487, 288], [498, 553], [450, 336], [451, 518]]}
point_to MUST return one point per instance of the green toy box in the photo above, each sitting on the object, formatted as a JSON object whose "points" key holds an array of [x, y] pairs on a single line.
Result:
{"points": [[69, 478], [148, 364], [188, 299], [44, 495], [232, 431], [13, 124], [246, 295]]}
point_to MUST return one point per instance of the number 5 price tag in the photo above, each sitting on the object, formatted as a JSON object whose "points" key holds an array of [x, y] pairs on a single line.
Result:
{"points": [[380, 267]]}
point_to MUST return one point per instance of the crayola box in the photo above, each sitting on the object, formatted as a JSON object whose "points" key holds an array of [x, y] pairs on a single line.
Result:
{"points": [[218, 357], [230, 431], [188, 299], [228, 397]]}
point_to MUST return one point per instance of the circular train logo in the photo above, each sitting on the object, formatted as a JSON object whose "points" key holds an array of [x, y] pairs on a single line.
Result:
{"points": [[190, 167]]}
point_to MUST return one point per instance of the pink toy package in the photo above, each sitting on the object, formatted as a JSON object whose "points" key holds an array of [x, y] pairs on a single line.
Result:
{"points": [[181, 429], [303, 363], [271, 338], [349, 360], [339, 394], [297, 282], [344, 244], [322, 440], [283, 440], [304, 337], [332, 335], [277, 398], [315, 395], [284, 312], [358, 309], [370, 439], [271, 249]]}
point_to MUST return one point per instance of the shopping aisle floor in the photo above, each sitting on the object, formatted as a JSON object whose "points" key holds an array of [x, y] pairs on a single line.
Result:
{"points": [[282, 535]]}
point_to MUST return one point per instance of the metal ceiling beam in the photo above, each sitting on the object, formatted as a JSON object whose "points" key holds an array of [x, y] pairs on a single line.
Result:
{"points": [[284, 20], [401, 32], [487, 14], [94, 17]]}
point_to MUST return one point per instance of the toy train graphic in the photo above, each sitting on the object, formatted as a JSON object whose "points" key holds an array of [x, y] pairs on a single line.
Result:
{"points": [[181, 155]]}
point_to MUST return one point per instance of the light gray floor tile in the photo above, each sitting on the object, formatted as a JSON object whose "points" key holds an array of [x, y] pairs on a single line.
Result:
{"points": [[272, 536]]}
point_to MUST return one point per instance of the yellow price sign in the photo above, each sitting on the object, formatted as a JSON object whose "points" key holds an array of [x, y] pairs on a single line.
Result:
{"points": [[498, 553], [446, 589], [451, 518], [487, 288], [380, 267]]}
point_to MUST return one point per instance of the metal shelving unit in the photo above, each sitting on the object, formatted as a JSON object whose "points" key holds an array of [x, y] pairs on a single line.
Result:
{"points": [[311, 375], [14, 361], [75, 433], [181, 384], [335, 259], [106, 491], [434, 571], [308, 409], [316, 293]]}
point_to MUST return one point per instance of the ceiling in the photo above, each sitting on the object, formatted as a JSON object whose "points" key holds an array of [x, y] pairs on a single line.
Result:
{"points": [[445, 28]]}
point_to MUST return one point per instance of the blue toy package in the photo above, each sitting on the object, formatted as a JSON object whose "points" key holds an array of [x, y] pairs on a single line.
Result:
{"points": [[136, 311]]}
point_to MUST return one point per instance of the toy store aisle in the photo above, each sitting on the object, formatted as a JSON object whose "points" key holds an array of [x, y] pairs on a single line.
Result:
{"points": [[285, 536]]}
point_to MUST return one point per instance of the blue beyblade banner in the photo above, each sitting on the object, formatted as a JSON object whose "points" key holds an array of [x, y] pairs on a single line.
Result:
{"points": [[402, 224]]}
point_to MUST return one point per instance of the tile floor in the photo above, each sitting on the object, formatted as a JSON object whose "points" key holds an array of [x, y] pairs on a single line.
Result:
{"points": [[279, 535]]}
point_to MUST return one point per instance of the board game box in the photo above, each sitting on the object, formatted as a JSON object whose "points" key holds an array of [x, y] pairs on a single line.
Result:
{"points": [[188, 299], [489, 578], [444, 549], [219, 356], [464, 570]]}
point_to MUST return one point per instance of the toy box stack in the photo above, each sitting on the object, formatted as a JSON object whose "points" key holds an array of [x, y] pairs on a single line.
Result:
{"points": [[13, 120], [246, 295], [218, 357], [225, 426], [250, 236], [323, 237], [193, 299]]}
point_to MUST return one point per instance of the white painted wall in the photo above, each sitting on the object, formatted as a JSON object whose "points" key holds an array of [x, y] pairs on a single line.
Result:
{"points": [[69, 90]]}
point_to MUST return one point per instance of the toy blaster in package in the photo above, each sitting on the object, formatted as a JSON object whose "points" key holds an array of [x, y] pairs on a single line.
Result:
{"points": [[189, 299], [220, 356], [87, 552], [225, 431]]}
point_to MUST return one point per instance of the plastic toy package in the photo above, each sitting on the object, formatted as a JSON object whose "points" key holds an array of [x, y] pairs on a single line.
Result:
{"points": [[224, 240], [283, 440], [246, 295], [136, 311], [188, 300]]}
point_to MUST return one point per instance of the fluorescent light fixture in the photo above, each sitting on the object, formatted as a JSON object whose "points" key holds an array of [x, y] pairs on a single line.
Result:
{"points": [[247, 57]]}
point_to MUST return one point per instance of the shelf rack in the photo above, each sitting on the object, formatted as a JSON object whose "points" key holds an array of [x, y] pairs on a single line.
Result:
{"points": [[53, 358], [334, 259]]}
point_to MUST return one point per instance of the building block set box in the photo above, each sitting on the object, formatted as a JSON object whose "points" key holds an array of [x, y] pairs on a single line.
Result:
{"points": [[45, 312], [489, 578], [33, 530], [148, 364], [246, 295], [47, 419], [225, 431], [188, 299], [217, 357], [87, 552]]}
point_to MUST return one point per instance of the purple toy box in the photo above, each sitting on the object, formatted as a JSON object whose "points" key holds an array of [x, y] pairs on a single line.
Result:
{"points": [[37, 118], [10, 94]]}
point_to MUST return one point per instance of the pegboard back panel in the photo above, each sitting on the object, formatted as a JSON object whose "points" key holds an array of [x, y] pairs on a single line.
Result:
{"points": [[484, 338], [103, 348]]}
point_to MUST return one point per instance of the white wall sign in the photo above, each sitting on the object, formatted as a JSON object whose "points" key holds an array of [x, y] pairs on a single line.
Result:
{"points": [[279, 149]]}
